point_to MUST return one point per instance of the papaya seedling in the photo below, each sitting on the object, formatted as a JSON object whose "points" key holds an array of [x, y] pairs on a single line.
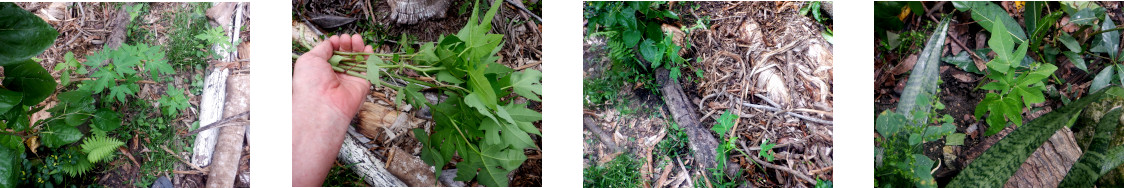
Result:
{"points": [[478, 121]]}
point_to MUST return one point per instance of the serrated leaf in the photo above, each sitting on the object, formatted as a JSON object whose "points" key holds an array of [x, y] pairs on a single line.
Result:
{"points": [[482, 89], [22, 34], [1077, 60]]}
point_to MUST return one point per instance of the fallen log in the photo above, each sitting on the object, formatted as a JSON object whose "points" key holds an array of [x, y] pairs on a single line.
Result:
{"points": [[366, 165], [228, 150], [702, 143]]}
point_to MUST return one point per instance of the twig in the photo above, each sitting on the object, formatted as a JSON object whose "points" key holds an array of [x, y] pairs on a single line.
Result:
{"points": [[516, 5], [593, 128], [218, 124], [767, 108], [780, 145], [528, 65], [201, 171], [778, 167], [817, 171]]}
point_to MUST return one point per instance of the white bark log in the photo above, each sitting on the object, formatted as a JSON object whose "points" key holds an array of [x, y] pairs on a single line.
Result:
{"points": [[370, 168], [214, 95], [228, 150]]}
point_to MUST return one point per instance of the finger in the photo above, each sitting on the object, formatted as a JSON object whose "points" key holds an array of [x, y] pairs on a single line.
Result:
{"points": [[357, 42], [335, 40], [369, 50], [345, 43], [322, 51]]}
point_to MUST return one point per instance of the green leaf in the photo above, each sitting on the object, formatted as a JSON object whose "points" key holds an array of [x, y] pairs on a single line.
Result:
{"points": [[765, 148], [936, 132], [12, 141], [988, 15], [9, 99], [954, 139], [923, 79], [1037, 75], [651, 52], [473, 100], [963, 61], [31, 79], [517, 138], [889, 123], [1000, 161], [526, 83], [1102, 80], [57, 136], [631, 37], [1077, 60], [10, 166], [921, 169], [106, 120], [373, 70], [1084, 17], [725, 122], [22, 34], [1070, 42], [482, 88], [1032, 14], [1107, 42]]}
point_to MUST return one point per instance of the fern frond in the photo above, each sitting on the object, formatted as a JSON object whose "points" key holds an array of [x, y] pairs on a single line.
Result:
{"points": [[100, 147], [74, 164]]}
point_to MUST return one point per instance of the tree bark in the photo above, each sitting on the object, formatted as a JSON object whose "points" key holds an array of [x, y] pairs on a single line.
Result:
{"points": [[1049, 163], [370, 168], [702, 142], [228, 150], [214, 95]]}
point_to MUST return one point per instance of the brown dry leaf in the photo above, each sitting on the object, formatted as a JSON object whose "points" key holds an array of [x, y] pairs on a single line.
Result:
{"points": [[905, 65], [962, 77], [33, 144], [750, 32]]}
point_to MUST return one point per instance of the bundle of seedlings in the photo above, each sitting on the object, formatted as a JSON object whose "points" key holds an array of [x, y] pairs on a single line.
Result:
{"points": [[479, 119]]}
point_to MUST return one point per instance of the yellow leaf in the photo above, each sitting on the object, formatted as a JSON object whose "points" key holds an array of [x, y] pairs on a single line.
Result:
{"points": [[905, 12], [32, 143]]}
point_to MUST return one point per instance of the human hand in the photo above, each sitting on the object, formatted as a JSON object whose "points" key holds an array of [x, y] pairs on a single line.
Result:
{"points": [[324, 102]]}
